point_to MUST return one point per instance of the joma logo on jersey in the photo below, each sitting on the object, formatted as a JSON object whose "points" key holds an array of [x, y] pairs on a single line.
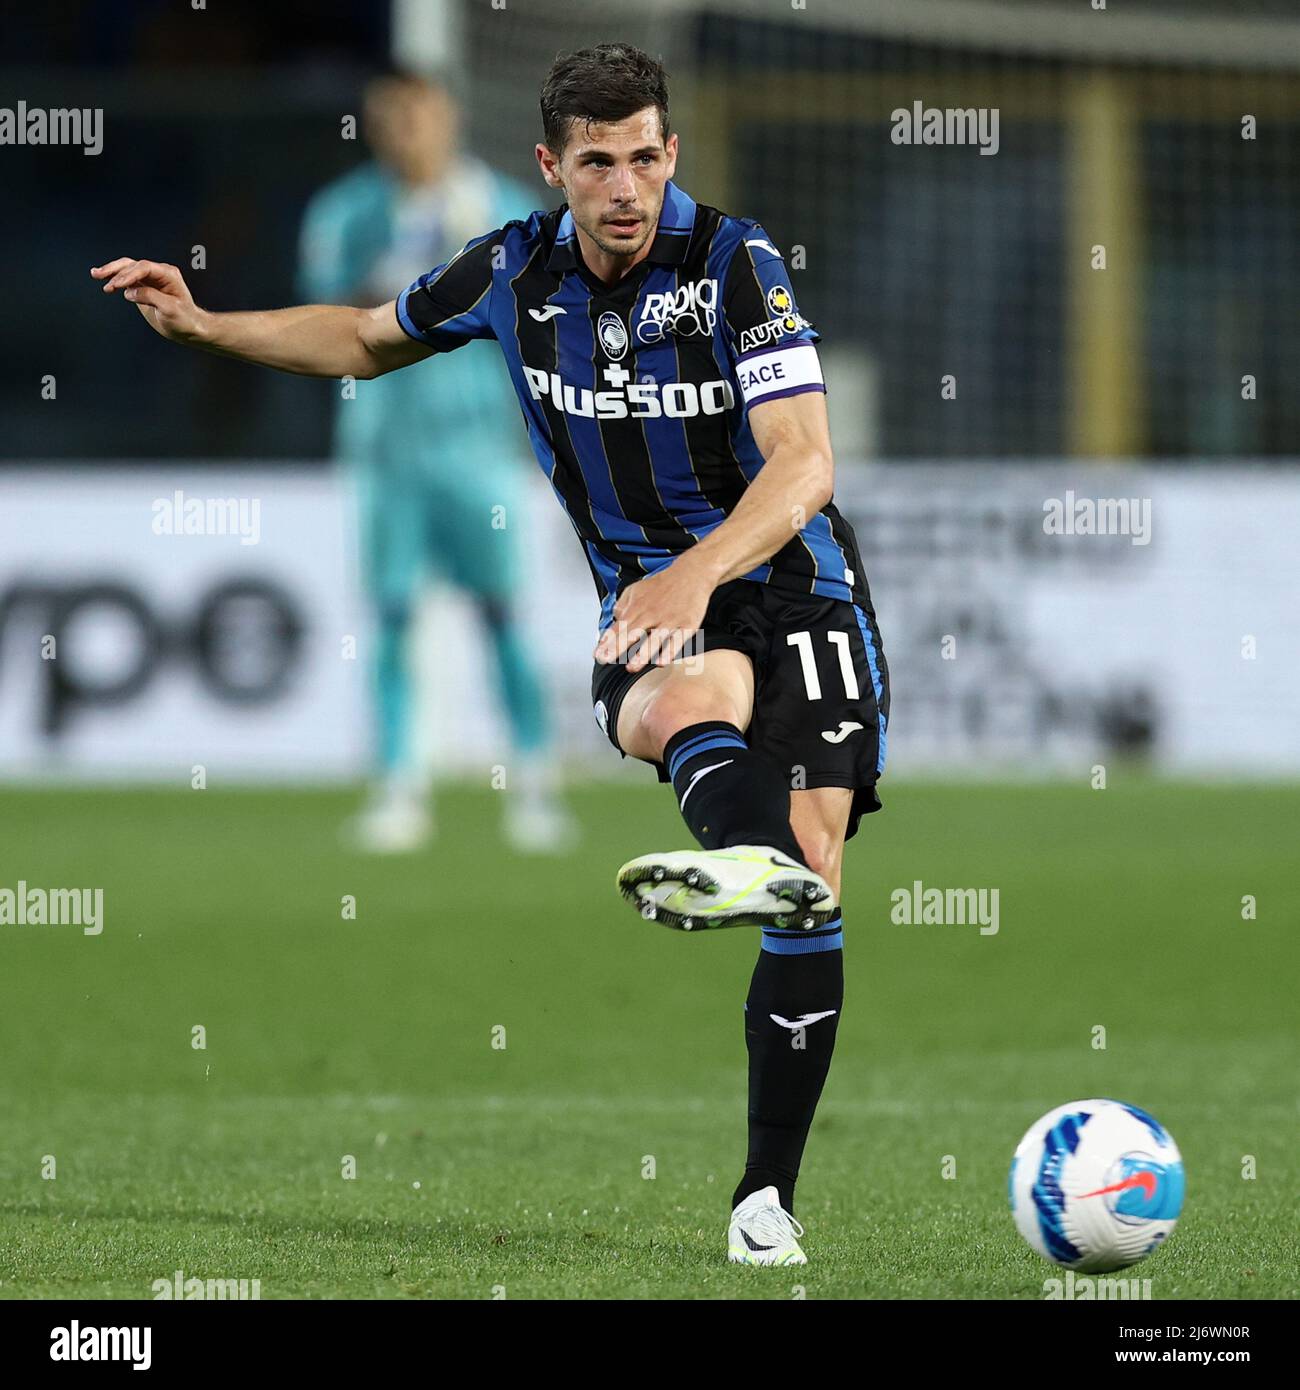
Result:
{"points": [[638, 399], [690, 308]]}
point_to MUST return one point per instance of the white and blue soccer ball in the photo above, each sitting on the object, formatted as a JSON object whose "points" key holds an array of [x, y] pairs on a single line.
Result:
{"points": [[1096, 1185]]}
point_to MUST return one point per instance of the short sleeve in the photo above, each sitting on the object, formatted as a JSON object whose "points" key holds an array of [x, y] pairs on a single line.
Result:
{"points": [[772, 346], [448, 306]]}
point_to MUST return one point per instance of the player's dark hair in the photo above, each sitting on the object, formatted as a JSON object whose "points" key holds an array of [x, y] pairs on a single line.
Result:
{"points": [[606, 83]]}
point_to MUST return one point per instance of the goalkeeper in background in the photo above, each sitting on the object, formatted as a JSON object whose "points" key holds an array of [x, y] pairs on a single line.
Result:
{"points": [[433, 456]]}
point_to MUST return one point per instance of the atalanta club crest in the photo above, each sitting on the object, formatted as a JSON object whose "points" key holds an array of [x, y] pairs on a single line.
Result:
{"points": [[613, 336]]}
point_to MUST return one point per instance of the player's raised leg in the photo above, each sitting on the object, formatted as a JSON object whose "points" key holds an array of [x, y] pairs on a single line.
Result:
{"points": [[791, 1016], [689, 716]]}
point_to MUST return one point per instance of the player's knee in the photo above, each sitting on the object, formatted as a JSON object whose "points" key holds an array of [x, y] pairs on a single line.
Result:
{"points": [[677, 706]]}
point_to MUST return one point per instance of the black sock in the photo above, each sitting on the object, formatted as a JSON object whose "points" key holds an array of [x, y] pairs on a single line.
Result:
{"points": [[728, 794], [799, 975]]}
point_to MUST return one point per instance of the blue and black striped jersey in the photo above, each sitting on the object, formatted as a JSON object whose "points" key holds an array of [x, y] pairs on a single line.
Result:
{"points": [[636, 395]]}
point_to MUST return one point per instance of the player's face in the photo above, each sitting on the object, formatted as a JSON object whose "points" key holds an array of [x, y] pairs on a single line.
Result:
{"points": [[613, 175]]}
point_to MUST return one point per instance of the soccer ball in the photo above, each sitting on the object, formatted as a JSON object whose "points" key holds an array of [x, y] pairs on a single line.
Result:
{"points": [[1095, 1185]]}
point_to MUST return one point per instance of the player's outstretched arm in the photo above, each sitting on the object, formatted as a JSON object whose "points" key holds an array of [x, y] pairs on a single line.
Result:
{"points": [[311, 340]]}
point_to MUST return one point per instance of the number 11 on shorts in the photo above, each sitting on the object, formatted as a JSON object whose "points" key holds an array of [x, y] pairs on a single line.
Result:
{"points": [[840, 640]]}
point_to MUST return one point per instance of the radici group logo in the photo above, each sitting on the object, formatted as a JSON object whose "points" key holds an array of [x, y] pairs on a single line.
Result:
{"points": [[687, 310]]}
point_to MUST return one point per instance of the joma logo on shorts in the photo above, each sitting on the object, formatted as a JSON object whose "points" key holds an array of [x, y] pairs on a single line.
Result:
{"points": [[643, 399]]}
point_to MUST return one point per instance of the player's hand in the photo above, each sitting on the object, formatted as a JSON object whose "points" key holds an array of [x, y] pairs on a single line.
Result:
{"points": [[666, 609], [159, 292]]}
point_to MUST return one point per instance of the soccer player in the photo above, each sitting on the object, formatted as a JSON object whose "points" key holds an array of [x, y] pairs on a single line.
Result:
{"points": [[673, 397], [434, 456]]}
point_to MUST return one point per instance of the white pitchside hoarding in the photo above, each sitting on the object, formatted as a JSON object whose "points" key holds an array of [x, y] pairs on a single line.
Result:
{"points": [[1014, 646], [1020, 638], [129, 647]]}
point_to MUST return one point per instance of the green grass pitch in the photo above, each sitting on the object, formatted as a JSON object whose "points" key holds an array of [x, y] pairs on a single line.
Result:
{"points": [[483, 1171]]}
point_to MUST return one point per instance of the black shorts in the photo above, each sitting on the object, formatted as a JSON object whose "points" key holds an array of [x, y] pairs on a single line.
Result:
{"points": [[821, 685]]}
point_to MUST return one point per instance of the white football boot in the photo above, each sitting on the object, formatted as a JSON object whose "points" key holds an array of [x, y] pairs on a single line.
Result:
{"points": [[740, 886], [762, 1233]]}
